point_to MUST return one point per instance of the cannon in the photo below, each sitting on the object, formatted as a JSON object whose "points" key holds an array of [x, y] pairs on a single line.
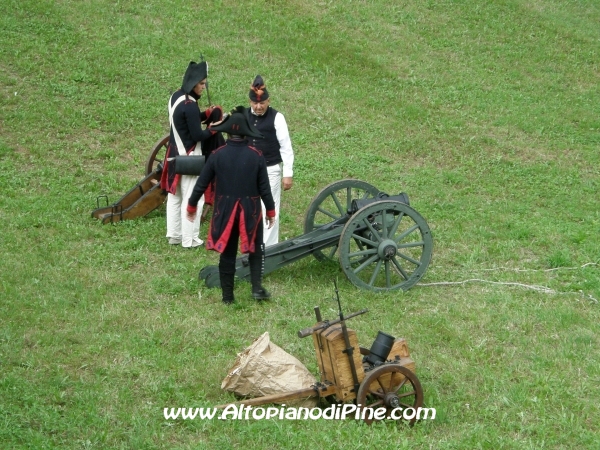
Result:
{"points": [[383, 243], [382, 377], [141, 199]]}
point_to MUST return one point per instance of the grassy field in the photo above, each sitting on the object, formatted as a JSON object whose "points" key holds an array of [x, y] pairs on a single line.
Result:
{"points": [[486, 113]]}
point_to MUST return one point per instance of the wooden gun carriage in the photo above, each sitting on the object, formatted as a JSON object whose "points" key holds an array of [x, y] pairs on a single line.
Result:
{"points": [[144, 197], [350, 373]]}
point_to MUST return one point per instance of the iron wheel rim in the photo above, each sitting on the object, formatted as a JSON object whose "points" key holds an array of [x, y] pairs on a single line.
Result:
{"points": [[403, 385], [380, 257], [331, 203], [157, 156]]}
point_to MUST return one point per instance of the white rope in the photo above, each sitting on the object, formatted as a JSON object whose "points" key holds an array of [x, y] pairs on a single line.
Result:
{"points": [[543, 289], [537, 270]]}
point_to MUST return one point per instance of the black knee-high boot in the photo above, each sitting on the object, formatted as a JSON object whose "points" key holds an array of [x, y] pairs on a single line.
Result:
{"points": [[256, 261], [227, 285], [227, 277]]}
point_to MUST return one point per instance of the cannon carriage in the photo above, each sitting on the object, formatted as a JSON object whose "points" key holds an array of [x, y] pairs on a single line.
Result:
{"points": [[144, 197], [382, 242]]}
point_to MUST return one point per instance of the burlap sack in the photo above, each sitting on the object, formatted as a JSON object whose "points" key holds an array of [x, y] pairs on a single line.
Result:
{"points": [[265, 369]]}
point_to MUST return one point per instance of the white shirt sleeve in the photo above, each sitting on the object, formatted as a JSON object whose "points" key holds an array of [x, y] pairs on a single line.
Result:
{"points": [[287, 153]]}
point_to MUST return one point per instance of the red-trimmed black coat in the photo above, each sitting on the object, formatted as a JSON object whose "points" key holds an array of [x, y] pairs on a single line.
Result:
{"points": [[241, 181], [187, 119]]}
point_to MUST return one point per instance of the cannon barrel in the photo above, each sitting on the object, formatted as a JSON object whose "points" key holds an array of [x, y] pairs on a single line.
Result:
{"points": [[361, 203]]}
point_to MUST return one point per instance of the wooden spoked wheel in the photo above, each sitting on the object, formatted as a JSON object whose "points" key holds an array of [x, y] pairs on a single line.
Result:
{"points": [[157, 156], [386, 245], [390, 386], [333, 202]]}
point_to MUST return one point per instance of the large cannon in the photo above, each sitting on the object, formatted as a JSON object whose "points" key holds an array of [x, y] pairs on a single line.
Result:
{"points": [[383, 243]]}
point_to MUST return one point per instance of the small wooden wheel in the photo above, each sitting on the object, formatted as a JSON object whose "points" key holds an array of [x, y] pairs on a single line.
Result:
{"points": [[333, 202], [159, 151], [390, 386], [386, 245]]}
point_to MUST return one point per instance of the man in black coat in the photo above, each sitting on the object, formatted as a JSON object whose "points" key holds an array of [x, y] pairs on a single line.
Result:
{"points": [[241, 182], [187, 138]]}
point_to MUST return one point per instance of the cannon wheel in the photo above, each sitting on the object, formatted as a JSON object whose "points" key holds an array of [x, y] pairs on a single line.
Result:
{"points": [[386, 245], [210, 275], [158, 154], [332, 203], [389, 386]]}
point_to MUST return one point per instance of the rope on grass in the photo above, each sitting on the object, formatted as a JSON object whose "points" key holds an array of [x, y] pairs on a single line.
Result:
{"points": [[538, 288], [537, 270], [543, 289]]}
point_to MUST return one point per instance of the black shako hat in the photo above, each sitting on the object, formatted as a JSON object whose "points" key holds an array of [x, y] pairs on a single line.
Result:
{"points": [[238, 124], [258, 90], [194, 74]]}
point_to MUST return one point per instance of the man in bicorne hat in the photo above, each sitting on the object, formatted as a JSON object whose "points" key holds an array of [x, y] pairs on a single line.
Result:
{"points": [[240, 175], [276, 146], [187, 138]]}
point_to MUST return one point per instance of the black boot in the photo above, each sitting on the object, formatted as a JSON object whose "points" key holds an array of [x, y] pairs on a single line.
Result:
{"points": [[260, 294], [226, 276], [256, 261], [227, 284]]}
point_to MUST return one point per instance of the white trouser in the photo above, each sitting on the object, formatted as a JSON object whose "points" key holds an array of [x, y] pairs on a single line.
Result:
{"points": [[178, 227], [271, 236]]}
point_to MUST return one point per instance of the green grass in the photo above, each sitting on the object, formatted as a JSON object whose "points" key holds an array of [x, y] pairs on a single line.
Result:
{"points": [[486, 114]]}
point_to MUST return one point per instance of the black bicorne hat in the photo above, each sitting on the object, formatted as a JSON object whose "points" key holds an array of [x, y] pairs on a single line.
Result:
{"points": [[194, 74], [258, 90], [237, 123]]}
